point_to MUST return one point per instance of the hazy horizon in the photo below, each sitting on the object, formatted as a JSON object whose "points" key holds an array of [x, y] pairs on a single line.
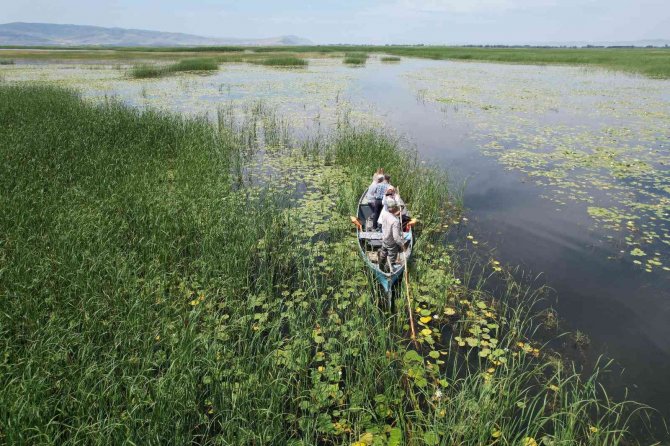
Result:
{"points": [[373, 22]]}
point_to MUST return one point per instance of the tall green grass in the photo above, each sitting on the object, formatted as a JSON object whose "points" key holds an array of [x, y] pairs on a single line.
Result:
{"points": [[283, 61], [6, 62], [390, 59], [150, 297], [200, 64], [652, 62], [181, 49], [355, 58], [142, 71]]}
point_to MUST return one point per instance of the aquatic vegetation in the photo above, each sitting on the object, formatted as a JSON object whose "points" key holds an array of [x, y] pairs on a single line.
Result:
{"points": [[203, 276], [283, 61], [390, 59], [608, 154], [182, 49], [355, 58], [652, 62], [6, 62], [199, 64], [143, 71]]}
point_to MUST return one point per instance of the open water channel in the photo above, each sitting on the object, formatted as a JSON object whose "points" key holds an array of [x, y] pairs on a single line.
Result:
{"points": [[565, 171]]}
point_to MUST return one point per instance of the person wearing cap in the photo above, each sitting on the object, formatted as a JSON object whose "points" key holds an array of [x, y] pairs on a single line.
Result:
{"points": [[392, 239], [392, 193], [380, 192], [370, 194]]}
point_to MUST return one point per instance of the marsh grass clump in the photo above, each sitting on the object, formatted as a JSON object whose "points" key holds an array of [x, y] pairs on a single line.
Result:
{"points": [[195, 64], [355, 58], [390, 59], [143, 71], [231, 58], [283, 61], [6, 62], [651, 62]]}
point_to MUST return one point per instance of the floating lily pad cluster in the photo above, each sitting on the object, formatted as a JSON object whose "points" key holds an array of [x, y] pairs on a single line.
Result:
{"points": [[593, 138]]}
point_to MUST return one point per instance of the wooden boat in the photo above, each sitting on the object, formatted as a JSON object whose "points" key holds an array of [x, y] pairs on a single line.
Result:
{"points": [[370, 242]]}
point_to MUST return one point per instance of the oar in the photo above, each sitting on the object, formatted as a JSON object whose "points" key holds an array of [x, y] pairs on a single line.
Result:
{"points": [[407, 294]]}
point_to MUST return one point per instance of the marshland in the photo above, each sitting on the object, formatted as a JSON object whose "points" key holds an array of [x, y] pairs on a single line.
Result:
{"points": [[177, 263]]}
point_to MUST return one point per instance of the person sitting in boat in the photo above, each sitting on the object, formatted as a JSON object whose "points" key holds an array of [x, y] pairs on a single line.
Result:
{"points": [[392, 238], [378, 205]]}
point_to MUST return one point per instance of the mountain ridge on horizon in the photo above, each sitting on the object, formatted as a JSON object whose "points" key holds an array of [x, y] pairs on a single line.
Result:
{"points": [[60, 35], [64, 35]]}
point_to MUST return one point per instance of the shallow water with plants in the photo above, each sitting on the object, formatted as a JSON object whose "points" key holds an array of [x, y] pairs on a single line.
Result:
{"points": [[558, 163]]}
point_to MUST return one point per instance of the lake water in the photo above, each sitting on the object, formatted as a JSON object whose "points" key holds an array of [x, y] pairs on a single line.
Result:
{"points": [[565, 171]]}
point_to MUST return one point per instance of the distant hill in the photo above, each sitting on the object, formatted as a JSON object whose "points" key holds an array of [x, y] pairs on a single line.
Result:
{"points": [[50, 34]]}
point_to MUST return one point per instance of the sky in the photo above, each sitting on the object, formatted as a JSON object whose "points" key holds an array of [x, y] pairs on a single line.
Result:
{"points": [[368, 21]]}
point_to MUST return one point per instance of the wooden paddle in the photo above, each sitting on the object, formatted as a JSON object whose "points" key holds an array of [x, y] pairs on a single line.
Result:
{"points": [[406, 277]]}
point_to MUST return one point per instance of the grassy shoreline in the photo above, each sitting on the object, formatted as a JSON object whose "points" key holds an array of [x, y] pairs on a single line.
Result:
{"points": [[152, 296], [651, 62]]}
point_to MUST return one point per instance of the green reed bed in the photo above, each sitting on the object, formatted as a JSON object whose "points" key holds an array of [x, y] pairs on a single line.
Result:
{"points": [[200, 64], [283, 61], [390, 59], [651, 62], [6, 62], [152, 294], [182, 49], [143, 71], [355, 58]]}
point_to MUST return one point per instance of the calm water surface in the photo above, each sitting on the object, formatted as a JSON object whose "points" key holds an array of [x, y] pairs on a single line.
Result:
{"points": [[451, 112], [624, 310]]}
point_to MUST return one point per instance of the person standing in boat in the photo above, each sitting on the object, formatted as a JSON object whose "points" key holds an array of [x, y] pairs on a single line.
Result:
{"points": [[370, 194], [392, 194], [392, 239], [380, 192]]}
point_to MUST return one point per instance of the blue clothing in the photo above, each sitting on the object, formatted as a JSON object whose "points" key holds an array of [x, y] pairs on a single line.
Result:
{"points": [[370, 195], [381, 190]]}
